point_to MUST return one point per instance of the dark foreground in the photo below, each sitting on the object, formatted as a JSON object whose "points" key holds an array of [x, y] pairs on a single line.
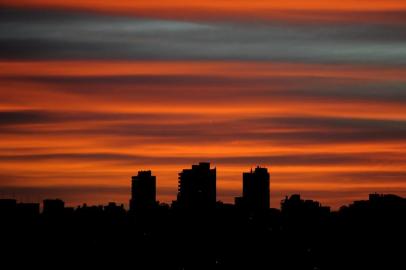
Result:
{"points": [[303, 235]]}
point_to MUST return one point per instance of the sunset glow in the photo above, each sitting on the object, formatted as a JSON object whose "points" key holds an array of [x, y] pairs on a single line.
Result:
{"points": [[93, 91]]}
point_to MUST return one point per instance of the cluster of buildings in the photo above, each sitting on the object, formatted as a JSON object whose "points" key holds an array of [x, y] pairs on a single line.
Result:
{"points": [[50, 207], [54, 208], [12, 207], [197, 189]]}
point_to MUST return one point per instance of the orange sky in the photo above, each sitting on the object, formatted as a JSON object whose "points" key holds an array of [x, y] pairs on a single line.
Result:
{"points": [[87, 100], [219, 4], [291, 10], [81, 138]]}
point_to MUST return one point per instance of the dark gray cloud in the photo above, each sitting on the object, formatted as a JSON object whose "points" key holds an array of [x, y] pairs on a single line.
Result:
{"points": [[223, 89], [323, 130], [65, 35], [21, 117], [311, 159], [335, 123], [190, 128]]}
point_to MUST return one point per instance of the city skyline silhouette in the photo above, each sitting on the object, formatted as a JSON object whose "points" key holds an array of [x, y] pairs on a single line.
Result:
{"points": [[198, 232], [204, 134], [194, 191], [151, 190]]}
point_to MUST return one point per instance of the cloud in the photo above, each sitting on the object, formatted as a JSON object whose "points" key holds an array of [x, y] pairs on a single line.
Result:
{"points": [[309, 159], [21, 117], [70, 35], [319, 100], [187, 128]]}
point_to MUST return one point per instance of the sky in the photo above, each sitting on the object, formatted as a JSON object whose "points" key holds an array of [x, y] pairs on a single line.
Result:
{"points": [[93, 91]]}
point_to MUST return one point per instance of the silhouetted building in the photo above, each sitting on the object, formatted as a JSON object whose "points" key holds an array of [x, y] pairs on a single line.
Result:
{"points": [[53, 207], [197, 187], [28, 210], [113, 209], [377, 203], [255, 194], [143, 191], [386, 199], [8, 206], [294, 205]]}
